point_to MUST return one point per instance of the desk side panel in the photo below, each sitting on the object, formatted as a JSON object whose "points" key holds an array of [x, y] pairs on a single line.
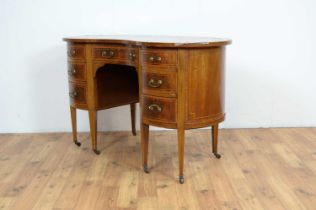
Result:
{"points": [[204, 87]]}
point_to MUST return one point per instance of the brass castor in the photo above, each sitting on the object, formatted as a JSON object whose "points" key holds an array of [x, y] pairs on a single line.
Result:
{"points": [[146, 170], [218, 156], [77, 143], [96, 151], [181, 179]]}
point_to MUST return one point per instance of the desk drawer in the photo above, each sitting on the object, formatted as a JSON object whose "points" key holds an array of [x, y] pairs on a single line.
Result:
{"points": [[77, 71], [160, 109], [76, 52], [159, 56], [162, 83], [115, 53], [77, 93]]}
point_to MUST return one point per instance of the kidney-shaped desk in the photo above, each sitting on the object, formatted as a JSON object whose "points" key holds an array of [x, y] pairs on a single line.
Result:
{"points": [[179, 82]]}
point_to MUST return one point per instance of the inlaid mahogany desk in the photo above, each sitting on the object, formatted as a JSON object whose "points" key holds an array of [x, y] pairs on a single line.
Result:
{"points": [[179, 82]]}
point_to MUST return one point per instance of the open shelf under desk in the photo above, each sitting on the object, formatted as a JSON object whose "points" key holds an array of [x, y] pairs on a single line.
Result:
{"points": [[116, 85]]}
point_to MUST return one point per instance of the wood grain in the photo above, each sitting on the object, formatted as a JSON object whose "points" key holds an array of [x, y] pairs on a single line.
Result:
{"points": [[259, 169]]}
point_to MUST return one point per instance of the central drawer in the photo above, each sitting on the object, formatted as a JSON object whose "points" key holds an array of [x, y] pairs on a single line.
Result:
{"points": [[114, 53], [159, 109]]}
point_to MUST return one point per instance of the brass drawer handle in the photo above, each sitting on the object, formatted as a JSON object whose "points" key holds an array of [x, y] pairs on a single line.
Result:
{"points": [[132, 55], [107, 53], [154, 83], [151, 58], [154, 58], [73, 94], [71, 52], [158, 58], [154, 107], [72, 72]]}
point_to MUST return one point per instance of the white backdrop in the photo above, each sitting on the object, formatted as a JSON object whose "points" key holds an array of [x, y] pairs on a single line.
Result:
{"points": [[271, 65]]}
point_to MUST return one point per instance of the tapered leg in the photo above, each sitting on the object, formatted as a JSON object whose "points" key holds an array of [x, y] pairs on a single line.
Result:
{"points": [[181, 153], [133, 118], [144, 143], [73, 113], [93, 130], [215, 140]]}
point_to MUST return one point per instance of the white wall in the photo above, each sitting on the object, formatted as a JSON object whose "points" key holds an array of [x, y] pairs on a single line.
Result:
{"points": [[271, 79]]}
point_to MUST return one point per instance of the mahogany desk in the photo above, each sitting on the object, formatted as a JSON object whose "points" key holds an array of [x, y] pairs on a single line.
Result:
{"points": [[179, 82]]}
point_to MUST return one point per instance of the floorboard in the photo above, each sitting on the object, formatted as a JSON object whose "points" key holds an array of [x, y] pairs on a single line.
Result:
{"points": [[259, 169]]}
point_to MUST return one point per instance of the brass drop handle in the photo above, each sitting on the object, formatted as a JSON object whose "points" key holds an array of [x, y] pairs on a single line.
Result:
{"points": [[132, 56], [151, 58], [154, 58], [72, 71], [73, 94], [158, 58], [111, 53], [71, 52], [107, 53], [154, 83], [154, 107]]}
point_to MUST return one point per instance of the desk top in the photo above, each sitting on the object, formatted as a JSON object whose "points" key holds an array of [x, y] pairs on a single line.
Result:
{"points": [[151, 41]]}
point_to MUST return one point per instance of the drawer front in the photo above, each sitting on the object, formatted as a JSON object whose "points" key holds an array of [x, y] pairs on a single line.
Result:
{"points": [[160, 83], [77, 93], [76, 52], [159, 109], [77, 71], [115, 53], [159, 56]]}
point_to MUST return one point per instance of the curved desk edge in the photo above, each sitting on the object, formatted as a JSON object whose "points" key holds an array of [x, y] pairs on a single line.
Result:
{"points": [[152, 41]]}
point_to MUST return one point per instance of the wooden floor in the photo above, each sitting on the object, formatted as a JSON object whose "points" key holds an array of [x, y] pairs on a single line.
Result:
{"points": [[266, 169]]}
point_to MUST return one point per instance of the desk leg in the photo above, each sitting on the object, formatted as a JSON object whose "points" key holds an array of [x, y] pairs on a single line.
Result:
{"points": [[181, 154], [215, 140], [93, 130], [73, 112], [144, 144], [133, 118]]}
